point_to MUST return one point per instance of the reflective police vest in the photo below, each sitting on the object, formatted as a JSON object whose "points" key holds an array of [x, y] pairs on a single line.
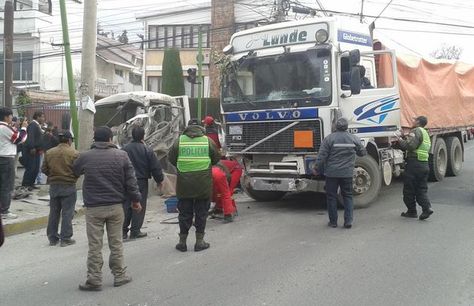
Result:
{"points": [[422, 152], [193, 154]]}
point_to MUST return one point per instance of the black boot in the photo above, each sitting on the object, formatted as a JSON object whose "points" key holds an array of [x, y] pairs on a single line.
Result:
{"points": [[200, 243], [409, 214], [426, 214], [181, 246]]}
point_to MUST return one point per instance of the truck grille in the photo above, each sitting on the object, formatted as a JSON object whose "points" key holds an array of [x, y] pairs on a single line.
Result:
{"points": [[281, 143]]}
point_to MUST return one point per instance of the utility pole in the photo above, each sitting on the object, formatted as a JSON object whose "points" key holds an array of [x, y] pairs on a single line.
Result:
{"points": [[362, 11], [88, 72], [70, 77], [8, 54], [200, 82]]}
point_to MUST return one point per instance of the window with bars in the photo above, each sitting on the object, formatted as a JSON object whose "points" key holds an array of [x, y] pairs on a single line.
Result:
{"points": [[178, 36]]}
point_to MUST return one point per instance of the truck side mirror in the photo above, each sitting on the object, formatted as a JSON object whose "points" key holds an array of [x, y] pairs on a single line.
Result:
{"points": [[354, 57], [355, 80]]}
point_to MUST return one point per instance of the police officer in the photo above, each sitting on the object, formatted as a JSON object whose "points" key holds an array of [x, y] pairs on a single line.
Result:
{"points": [[336, 160], [193, 155], [417, 146]]}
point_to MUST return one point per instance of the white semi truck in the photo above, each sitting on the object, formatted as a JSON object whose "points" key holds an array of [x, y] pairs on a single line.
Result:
{"points": [[285, 85]]}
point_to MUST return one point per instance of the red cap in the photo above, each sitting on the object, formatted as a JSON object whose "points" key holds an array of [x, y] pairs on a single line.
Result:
{"points": [[208, 120]]}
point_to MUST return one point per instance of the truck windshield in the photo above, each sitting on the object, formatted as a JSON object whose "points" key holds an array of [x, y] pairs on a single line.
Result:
{"points": [[294, 76]]}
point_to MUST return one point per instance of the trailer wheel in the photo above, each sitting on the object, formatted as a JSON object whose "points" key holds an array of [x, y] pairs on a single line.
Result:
{"points": [[367, 181], [455, 155], [259, 195], [438, 161]]}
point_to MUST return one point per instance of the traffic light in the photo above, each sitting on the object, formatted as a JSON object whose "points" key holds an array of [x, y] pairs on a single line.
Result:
{"points": [[191, 75]]}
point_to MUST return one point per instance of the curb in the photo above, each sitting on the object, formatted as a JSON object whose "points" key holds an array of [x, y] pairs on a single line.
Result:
{"points": [[32, 224]]}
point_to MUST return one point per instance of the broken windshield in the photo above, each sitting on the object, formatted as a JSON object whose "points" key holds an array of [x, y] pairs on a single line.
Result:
{"points": [[293, 76]]}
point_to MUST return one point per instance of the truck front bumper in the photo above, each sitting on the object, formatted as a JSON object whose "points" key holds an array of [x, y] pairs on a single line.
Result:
{"points": [[286, 184]]}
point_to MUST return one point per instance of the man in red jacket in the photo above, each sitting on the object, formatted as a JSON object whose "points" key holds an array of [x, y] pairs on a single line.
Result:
{"points": [[212, 130], [221, 193]]}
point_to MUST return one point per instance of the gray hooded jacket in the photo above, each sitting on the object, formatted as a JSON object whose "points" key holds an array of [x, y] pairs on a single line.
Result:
{"points": [[336, 157]]}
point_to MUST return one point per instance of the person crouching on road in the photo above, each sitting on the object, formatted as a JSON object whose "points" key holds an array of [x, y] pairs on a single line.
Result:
{"points": [[235, 170], [221, 193], [415, 187], [146, 165], [108, 179], [57, 165], [336, 160], [193, 154]]}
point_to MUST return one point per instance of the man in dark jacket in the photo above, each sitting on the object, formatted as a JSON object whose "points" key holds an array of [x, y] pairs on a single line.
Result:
{"points": [[193, 154], [336, 160], [415, 187], [108, 179], [146, 165], [57, 165], [32, 150]]}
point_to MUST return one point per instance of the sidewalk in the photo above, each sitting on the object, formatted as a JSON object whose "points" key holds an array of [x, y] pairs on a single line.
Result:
{"points": [[33, 212]]}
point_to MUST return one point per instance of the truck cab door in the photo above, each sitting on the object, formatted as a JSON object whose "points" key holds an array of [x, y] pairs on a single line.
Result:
{"points": [[375, 111]]}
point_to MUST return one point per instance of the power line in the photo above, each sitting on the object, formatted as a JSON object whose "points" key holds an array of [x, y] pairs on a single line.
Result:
{"points": [[78, 51], [399, 19], [426, 31], [388, 4]]}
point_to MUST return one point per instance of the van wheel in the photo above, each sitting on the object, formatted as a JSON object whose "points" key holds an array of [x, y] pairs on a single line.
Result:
{"points": [[455, 156], [438, 161], [367, 181]]}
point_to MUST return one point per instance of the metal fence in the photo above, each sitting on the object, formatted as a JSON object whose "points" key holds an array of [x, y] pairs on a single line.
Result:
{"points": [[58, 114]]}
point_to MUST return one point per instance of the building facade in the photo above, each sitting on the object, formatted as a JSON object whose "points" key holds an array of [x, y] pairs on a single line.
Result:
{"points": [[179, 28], [39, 62]]}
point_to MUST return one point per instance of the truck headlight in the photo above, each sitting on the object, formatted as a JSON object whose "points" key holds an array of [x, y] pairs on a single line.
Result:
{"points": [[321, 36], [235, 130]]}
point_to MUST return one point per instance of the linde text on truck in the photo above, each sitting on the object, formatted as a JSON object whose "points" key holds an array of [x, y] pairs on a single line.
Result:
{"points": [[285, 86]]}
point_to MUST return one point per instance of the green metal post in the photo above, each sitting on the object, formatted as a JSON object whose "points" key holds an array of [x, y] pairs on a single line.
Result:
{"points": [[199, 80], [70, 76]]}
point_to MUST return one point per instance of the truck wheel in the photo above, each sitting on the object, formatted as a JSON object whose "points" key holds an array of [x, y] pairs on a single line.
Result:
{"points": [[455, 154], [438, 161], [259, 195], [367, 181]]}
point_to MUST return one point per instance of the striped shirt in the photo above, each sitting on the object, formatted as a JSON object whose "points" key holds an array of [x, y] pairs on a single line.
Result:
{"points": [[9, 138]]}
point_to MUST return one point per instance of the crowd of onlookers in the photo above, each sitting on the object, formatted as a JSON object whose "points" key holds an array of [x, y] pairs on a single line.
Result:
{"points": [[115, 186]]}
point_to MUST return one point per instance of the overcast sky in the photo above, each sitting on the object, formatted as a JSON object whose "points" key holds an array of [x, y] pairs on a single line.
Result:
{"points": [[418, 38]]}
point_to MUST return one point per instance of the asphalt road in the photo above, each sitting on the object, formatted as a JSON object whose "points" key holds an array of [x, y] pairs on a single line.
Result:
{"points": [[278, 253]]}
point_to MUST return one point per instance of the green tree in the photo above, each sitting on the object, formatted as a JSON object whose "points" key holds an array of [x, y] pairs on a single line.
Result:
{"points": [[173, 81], [21, 100]]}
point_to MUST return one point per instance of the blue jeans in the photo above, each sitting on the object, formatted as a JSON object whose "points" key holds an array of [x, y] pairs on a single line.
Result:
{"points": [[332, 185], [61, 205]]}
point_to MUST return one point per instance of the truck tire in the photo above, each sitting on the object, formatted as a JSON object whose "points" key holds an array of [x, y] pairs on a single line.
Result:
{"points": [[438, 161], [455, 154], [259, 195], [367, 181]]}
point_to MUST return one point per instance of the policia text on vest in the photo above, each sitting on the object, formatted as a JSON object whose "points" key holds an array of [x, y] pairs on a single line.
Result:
{"points": [[193, 154]]}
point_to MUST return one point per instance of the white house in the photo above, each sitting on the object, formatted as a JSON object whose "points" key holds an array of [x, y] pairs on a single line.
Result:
{"points": [[39, 53]]}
